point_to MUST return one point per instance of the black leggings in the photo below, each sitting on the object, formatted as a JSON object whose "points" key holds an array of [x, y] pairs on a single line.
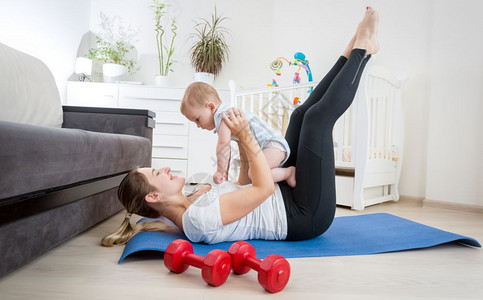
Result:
{"points": [[310, 206]]}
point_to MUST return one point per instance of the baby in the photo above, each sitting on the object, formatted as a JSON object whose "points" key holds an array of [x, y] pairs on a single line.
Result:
{"points": [[202, 105]]}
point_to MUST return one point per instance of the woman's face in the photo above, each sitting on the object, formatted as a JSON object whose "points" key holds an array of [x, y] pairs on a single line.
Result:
{"points": [[163, 181]]}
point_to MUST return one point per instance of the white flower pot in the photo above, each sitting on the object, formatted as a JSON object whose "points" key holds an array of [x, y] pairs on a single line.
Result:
{"points": [[205, 77], [113, 72], [161, 80]]}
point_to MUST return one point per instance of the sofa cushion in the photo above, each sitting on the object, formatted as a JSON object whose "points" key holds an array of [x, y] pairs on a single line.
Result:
{"points": [[28, 93], [53, 157]]}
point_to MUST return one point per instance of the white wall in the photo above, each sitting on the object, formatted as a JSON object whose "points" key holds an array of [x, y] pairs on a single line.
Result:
{"points": [[50, 30], [437, 42], [455, 144]]}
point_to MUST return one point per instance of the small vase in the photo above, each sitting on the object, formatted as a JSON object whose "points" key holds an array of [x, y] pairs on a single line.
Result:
{"points": [[161, 80], [113, 72], [205, 77]]}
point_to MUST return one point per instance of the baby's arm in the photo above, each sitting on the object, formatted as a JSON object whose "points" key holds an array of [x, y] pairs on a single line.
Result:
{"points": [[223, 153]]}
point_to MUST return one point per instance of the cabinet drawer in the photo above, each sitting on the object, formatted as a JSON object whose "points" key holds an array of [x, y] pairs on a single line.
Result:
{"points": [[151, 104], [92, 94], [151, 92], [153, 98], [178, 166], [171, 123], [344, 187], [170, 146]]}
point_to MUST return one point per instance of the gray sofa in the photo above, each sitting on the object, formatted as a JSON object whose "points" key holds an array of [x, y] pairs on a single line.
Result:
{"points": [[57, 181]]}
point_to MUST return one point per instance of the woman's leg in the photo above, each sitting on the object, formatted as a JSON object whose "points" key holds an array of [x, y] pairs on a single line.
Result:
{"points": [[311, 204], [293, 130], [365, 38]]}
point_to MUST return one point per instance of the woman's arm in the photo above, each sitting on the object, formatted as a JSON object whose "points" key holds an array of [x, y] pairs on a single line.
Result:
{"points": [[223, 153], [243, 174], [236, 205]]}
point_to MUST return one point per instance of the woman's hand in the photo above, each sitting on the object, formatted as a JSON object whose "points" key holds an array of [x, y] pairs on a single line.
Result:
{"points": [[238, 124]]}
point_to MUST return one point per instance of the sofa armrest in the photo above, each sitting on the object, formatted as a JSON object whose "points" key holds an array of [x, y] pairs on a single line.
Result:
{"points": [[139, 122]]}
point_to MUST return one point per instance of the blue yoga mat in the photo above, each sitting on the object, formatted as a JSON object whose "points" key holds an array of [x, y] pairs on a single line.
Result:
{"points": [[353, 235]]}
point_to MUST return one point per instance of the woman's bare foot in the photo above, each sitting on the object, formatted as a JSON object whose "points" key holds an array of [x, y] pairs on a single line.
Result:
{"points": [[291, 179], [366, 35]]}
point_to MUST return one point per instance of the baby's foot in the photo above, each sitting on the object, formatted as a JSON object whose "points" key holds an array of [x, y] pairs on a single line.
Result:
{"points": [[291, 179], [366, 36]]}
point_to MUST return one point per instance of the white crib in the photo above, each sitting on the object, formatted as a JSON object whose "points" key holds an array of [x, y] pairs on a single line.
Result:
{"points": [[368, 138]]}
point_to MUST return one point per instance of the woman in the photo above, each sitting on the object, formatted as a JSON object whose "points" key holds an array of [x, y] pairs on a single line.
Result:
{"points": [[262, 210]]}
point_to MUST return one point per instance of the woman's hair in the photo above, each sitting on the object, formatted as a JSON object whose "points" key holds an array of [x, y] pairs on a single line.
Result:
{"points": [[131, 192], [197, 94]]}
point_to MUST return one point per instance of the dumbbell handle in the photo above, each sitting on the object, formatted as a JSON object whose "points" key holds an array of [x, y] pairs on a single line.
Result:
{"points": [[252, 262], [193, 259]]}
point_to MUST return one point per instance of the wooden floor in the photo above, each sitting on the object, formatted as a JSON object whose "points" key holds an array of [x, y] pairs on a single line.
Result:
{"points": [[81, 269]]}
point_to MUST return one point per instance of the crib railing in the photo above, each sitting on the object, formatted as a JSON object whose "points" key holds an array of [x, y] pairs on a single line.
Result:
{"points": [[273, 105], [384, 108], [379, 121]]}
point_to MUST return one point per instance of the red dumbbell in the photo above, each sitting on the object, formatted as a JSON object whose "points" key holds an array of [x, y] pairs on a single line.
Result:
{"points": [[273, 271], [215, 267]]}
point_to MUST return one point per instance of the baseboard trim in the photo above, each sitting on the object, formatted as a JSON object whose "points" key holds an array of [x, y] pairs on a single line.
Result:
{"points": [[413, 199], [453, 206]]}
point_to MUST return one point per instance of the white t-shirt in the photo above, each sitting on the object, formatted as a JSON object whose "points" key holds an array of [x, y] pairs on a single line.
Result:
{"points": [[202, 220]]}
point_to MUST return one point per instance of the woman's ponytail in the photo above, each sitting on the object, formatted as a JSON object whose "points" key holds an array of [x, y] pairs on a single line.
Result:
{"points": [[126, 231]]}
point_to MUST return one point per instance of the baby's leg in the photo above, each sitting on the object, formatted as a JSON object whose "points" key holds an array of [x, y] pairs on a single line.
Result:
{"points": [[274, 158]]}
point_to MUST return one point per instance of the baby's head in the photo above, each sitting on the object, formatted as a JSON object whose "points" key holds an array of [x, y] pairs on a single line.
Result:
{"points": [[199, 104]]}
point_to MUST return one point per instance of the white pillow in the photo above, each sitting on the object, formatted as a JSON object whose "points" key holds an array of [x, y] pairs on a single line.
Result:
{"points": [[28, 93]]}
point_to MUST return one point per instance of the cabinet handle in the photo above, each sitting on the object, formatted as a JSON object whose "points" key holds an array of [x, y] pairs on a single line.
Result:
{"points": [[171, 123], [151, 98], [171, 147]]}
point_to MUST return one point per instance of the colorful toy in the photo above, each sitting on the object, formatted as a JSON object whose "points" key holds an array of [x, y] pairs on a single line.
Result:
{"points": [[273, 271], [215, 267], [273, 84], [299, 61], [303, 63]]}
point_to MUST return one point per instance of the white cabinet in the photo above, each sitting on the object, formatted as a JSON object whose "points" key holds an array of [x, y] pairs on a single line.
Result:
{"points": [[92, 94], [177, 143]]}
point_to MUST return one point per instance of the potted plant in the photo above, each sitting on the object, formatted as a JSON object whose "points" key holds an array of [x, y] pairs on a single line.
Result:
{"points": [[164, 43], [113, 45], [210, 51]]}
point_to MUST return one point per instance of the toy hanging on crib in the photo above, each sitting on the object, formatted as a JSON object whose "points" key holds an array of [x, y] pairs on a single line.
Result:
{"points": [[300, 62]]}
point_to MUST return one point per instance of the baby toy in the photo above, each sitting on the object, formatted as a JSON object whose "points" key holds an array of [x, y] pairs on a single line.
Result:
{"points": [[299, 61]]}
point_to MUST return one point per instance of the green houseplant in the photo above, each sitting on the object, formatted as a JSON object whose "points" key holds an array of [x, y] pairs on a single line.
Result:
{"points": [[210, 51], [113, 46], [164, 43]]}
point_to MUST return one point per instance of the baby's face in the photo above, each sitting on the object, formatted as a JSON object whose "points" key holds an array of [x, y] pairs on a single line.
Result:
{"points": [[202, 116]]}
